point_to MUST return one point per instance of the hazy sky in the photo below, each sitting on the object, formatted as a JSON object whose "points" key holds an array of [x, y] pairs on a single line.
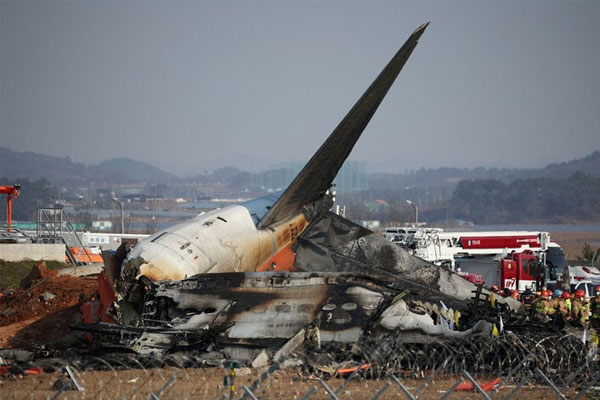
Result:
{"points": [[193, 86]]}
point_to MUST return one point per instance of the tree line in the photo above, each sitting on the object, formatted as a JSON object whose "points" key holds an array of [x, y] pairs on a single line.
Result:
{"points": [[552, 200]]}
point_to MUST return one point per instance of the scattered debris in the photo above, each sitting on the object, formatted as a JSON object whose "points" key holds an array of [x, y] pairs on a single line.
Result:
{"points": [[261, 360], [47, 296]]}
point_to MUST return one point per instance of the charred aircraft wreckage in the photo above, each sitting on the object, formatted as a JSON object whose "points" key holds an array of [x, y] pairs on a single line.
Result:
{"points": [[257, 273]]}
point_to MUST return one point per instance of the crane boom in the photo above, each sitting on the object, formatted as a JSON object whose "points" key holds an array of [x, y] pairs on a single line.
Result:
{"points": [[11, 192]]}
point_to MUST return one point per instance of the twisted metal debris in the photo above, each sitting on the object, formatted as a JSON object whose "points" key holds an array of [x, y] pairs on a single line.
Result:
{"points": [[509, 355]]}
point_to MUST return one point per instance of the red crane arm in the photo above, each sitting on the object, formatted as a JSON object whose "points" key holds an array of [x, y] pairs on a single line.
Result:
{"points": [[12, 192]]}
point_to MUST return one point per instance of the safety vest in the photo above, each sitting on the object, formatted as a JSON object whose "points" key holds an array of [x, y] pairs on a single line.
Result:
{"points": [[595, 308], [545, 307], [539, 306], [585, 312], [549, 307]]}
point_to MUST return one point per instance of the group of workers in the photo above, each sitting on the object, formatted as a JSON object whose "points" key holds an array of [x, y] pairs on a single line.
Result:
{"points": [[573, 307]]}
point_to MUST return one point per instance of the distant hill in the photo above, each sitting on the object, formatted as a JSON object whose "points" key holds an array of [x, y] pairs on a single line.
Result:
{"points": [[125, 169], [14, 164], [63, 171], [589, 165]]}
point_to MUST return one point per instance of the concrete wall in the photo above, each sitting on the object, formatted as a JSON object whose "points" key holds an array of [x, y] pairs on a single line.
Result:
{"points": [[32, 251]]}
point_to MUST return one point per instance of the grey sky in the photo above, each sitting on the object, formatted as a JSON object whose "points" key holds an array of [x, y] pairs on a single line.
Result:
{"points": [[193, 86]]}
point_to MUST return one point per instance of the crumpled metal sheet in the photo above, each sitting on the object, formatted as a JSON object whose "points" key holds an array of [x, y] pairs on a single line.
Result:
{"points": [[336, 244]]}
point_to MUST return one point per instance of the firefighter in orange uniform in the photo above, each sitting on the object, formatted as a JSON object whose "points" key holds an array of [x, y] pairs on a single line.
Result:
{"points": [[564, 305], [579, 308], [545, 305], [595, 309]]}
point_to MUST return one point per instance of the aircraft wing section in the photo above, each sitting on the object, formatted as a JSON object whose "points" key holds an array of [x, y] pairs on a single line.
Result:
{"points": [[317, 175]]}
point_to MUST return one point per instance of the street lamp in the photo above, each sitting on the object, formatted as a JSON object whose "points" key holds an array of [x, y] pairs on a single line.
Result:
{"points": [[122, 215], [416, 211]]}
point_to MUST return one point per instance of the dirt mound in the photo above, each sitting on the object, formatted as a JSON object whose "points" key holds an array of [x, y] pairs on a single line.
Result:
{"points": [[53, 330], [37, 273], [44, 295]]}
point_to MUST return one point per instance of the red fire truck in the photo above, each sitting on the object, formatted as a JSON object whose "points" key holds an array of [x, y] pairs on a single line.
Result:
{"points": [[509, 259], [516, 271]]}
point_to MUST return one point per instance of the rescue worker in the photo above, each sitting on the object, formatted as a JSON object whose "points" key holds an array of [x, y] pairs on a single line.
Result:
{"points": [[527, 297], [564, 305], [556, 298], [545, 305], [551, 304], [515, 294], [595, 309], [579, 308], [539, 302], [567, 296]]}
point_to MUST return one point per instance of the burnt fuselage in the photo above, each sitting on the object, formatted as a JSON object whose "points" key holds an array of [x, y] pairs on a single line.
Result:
{"points": [[223, 240]]}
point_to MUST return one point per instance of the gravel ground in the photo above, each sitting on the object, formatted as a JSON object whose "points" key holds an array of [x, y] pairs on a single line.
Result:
{"points": [[207, 383]]}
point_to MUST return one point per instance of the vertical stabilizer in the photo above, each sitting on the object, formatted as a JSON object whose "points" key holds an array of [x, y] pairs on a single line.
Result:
{"points": [[318, 174]]}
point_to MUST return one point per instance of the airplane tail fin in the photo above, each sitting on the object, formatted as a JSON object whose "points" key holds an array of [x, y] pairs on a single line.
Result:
{"points": [[317, 175]]}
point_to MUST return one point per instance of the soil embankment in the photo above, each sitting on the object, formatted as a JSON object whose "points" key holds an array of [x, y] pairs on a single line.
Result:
{"points": [[41, 310]]}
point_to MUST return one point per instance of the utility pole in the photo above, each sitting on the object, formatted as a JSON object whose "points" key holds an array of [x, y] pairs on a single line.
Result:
{"points": [[416, 211], [122, 215]]}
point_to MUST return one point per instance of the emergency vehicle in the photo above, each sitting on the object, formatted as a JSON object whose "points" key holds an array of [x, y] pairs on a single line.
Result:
{"points": [[509, 259]]}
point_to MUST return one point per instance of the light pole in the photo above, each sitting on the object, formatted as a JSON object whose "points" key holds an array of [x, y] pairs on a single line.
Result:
{"points": [[122, 215], [416, 211]]}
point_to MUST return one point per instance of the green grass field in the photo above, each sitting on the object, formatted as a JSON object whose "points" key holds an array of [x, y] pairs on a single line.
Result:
{"points": [[11, 273]]}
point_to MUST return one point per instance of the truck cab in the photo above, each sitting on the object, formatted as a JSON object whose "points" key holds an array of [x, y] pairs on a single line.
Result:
{"points": [[520, 270], [555, 261]]}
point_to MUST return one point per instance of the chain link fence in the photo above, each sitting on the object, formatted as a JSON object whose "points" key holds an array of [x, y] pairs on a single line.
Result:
{"points": [[509, 366]]}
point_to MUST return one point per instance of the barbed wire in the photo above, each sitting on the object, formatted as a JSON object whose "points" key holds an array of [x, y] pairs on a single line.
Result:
{"points": [[563, 359]]}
